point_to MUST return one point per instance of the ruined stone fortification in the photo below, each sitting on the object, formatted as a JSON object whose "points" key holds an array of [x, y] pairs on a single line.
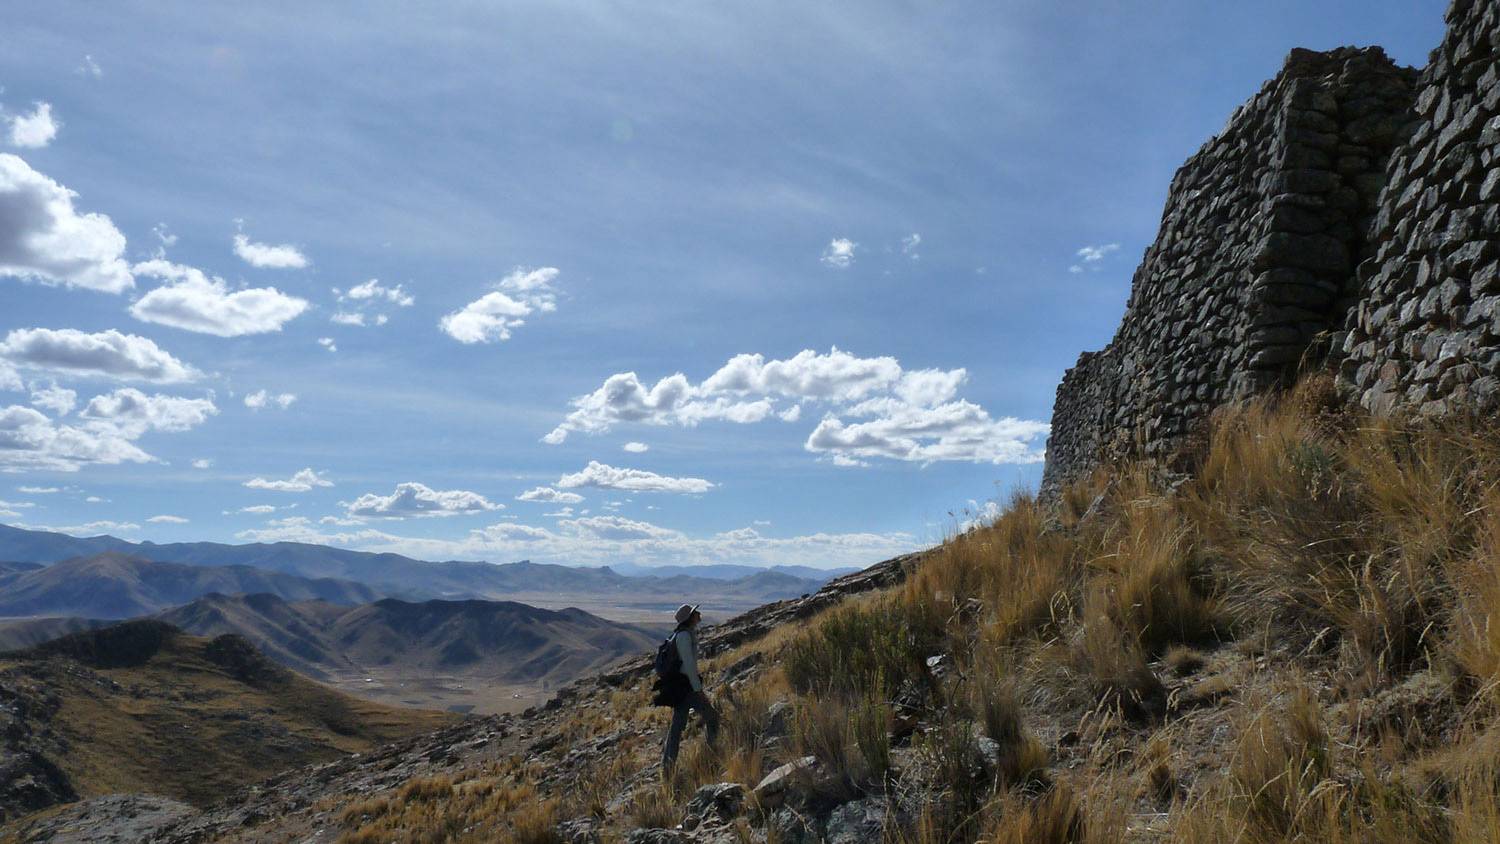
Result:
{"points": [[1345, 215]]}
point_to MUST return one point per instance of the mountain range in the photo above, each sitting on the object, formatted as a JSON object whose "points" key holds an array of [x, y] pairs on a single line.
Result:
{"points": [[387, 575], [489, 640]]}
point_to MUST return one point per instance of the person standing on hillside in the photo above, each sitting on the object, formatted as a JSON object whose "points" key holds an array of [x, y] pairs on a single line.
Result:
{"points": [[688, 691]]}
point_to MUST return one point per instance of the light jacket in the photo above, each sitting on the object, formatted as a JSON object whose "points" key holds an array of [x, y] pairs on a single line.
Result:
{"points": [[687, 648]]}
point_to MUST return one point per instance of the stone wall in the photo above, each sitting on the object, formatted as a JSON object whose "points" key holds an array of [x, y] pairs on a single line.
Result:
{"points": [[1252, 271], [1424, 337]]}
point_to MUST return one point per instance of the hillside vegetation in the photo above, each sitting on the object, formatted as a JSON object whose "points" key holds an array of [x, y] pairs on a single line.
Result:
{"points": [[142, 707], [1291, 642]]}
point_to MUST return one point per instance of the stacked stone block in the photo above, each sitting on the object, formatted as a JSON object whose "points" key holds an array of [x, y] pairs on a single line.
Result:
{"points": [[1253, 267], [1424, 337]]}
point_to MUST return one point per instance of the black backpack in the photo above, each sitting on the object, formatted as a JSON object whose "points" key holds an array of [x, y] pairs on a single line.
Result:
{"points": [[668, 660]]}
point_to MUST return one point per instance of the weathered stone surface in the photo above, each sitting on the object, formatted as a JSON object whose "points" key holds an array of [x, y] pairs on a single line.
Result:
{"points": [[1347, 216]]}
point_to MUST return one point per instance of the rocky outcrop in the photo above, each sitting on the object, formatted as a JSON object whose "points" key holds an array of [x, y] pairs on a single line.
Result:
{"points": [[1425, 335], [1253, 264]]}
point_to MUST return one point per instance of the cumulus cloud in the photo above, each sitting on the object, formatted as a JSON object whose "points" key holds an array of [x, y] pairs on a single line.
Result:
{"points": [[601, 540], [44, 239], [617, 527], [10, 379], [258, 509], [59, 400], [1090, 256], [302, 481], [39, 490], [167, 520], [493, 316], [873, 407], [327, 343], [34, 130], [194, 301], [909, 245], [604, 476], [267, 256], [414, 499], [361, 300], [548, 495], [29, 440], [636, 448], [373, 290], [839, 253], [263, 399], [105, 353], [132, 412], [203, 463]]}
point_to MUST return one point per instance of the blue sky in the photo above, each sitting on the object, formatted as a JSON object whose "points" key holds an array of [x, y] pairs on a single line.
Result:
{"points": [[388, 270]]}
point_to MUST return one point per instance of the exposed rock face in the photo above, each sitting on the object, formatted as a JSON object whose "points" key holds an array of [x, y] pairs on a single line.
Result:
{"points": [[1254, 261], [1425, 336]]}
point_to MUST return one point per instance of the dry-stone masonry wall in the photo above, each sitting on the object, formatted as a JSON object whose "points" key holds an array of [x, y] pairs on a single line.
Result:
{"points": [[1253, 265], [1424, 337]]}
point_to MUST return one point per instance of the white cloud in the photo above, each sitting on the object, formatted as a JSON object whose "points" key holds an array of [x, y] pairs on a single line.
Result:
{"points": [[87, 529], [839, 253], [548, 495], [267, 256], [51, 397], [327, 343], [44, 239], [262, 399], [105, 353], [414, 499], [106, 434], [374, 290], [492, 317], [31, 441], [302, 481], [194, 301], [258, 508], [955, 431], [605, 539], [603, 476], [167, 520], [347, 318], [617, 527], [10, 379], [34, 130], [1090, 256], [909, 245], [89, 67], [203, 463], [636, 447], [39, 490], [94, 499], [912, 415], [133, 413]]}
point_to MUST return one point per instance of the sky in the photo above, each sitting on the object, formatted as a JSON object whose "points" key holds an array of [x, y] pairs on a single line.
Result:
{"points": [[584, 282]]}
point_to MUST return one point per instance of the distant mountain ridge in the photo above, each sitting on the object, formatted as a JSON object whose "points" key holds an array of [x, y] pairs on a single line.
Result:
{"points": [[393, 575], [497, 640], [731, 571], [115, 585]]}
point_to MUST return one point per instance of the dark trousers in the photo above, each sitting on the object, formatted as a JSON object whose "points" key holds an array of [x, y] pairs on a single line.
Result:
{"points": [[697, 701]]}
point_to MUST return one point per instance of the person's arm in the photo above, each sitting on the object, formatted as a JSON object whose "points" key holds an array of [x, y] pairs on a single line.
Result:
{"points": [[687, 648]]}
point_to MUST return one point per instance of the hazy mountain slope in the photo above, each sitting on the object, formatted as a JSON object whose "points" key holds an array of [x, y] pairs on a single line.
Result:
{"points": [[17, 633], [114, 585], [143, 707], [490, 640], [392, 575], [293, 634]]}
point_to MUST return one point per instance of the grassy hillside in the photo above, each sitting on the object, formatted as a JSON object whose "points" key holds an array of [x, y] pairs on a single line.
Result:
{"points": [[1294, 640], [142, 707]]}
